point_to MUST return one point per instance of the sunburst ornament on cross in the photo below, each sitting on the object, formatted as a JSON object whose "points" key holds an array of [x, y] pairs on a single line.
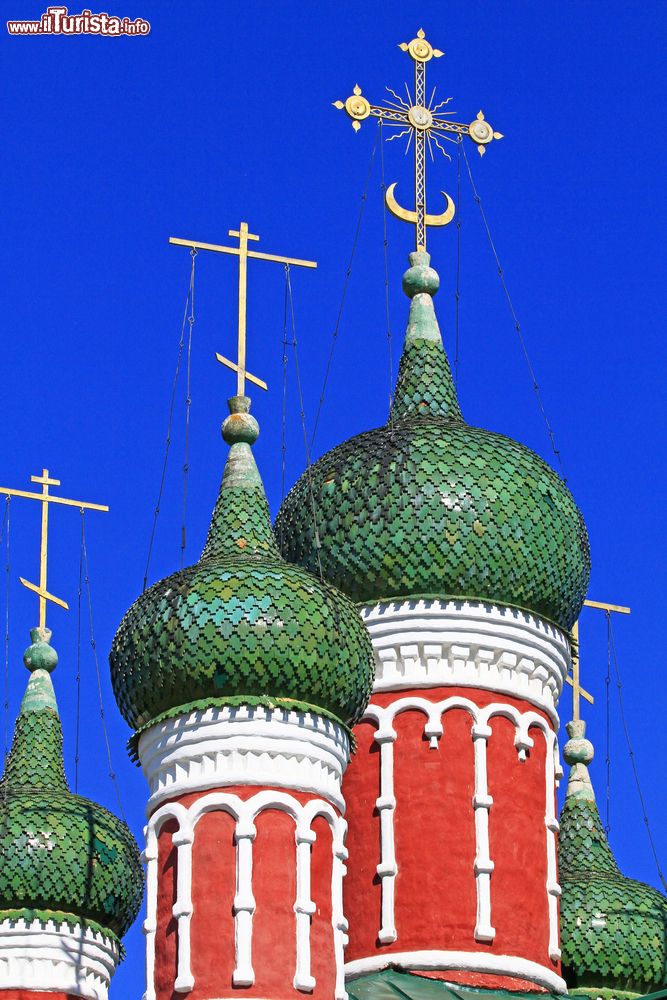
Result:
{"points": [[425, 124]]}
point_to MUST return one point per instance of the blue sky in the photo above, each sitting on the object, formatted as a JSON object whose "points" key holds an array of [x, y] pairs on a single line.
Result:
{"points": [[223, 113]]}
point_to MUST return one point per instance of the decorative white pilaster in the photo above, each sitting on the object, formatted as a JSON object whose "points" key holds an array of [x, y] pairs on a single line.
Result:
{"points": [[482, 803], [244, 901], [304, 908], [387, 869]]}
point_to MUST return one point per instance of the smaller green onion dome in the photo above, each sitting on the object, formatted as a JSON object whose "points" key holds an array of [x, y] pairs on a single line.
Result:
{"points": [[613, 929], [63, 857], [428, 506], [241, 625]]}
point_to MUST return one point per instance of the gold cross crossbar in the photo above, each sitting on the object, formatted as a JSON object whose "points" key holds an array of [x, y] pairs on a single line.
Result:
{"points": [[45, 498], [242, 253], [574, 681]]}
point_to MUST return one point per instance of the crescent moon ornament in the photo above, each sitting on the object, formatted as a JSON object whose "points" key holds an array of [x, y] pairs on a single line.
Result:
{"points": [[407, 216]]}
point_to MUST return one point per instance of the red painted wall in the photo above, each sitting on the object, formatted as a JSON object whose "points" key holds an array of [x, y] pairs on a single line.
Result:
{"points": [[274, 922], [35, 995], [434, 829]]}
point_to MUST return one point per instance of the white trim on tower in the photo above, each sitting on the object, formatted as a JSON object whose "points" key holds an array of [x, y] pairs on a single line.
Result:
{"points": [[432, 643], [244, 745], [52, 957]]}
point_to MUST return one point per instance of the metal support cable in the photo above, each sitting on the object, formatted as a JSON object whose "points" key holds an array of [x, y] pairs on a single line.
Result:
{"points": [[632, 755], [334, 336], [607, 759], [188, 402], [93, 644], [283, 442], [457, 294], [288, 284], [517, 325], [78, 663], [4, 534], [385, 243], [181, 344]]}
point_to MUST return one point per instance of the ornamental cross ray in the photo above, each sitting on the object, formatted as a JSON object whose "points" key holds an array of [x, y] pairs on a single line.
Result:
{"points": [[425, 124]]}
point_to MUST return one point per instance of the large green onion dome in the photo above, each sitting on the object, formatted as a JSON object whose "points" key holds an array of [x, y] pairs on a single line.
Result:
{"points": [[428, 506], [241, 626], [613, 929], [64, 858]]}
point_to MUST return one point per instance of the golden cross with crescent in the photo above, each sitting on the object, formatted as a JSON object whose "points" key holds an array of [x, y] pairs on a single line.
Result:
{"points": [[420, 122], [46, 498], [574, 681], [242, 253]]}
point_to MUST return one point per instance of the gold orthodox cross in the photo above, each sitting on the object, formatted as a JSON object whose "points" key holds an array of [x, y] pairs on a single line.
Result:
{"points": [[574, 681], [242, 253], [45, 498], [420, 122]]}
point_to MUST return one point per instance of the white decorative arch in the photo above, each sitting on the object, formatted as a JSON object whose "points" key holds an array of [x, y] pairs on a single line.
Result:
{"points": [[244, 812], [481, 731]]}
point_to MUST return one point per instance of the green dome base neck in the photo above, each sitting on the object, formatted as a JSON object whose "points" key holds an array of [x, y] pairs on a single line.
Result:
{"points": [[430, 505]]}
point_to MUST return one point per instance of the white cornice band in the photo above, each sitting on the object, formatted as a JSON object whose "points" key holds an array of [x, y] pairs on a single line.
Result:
{"points": [[244, 745], [432, 643], [460, 961], [51, 957]]}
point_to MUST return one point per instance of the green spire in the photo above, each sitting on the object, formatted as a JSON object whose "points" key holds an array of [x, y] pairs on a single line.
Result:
{"points": [[583, 844], [241, 524], [613, 929], [424, 386], [35, 760], [64, 858]]}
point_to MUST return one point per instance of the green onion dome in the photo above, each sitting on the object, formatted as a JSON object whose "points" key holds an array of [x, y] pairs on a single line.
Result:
{"points": [[428, 506], [613, 929], [241, 626], [64, 857]]}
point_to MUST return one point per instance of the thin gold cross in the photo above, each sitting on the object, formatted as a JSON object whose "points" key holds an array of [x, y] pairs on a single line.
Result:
{"points": [[417, 119], [242, 253], [574, 681], [45, 498]]}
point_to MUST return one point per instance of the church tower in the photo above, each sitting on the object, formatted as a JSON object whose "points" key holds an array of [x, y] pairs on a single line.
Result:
{"points": [[240, 676], [468, 561]]}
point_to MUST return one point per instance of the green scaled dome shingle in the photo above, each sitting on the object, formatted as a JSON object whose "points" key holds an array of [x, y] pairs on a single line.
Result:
{"points": [[241, 625], [430, 506], [63, 856], [613, 929]]}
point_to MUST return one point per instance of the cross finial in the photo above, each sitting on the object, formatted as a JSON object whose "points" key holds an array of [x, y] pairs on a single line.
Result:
{"points": [[242, 252], [578, 691], [45, 498], [418, 118]]}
